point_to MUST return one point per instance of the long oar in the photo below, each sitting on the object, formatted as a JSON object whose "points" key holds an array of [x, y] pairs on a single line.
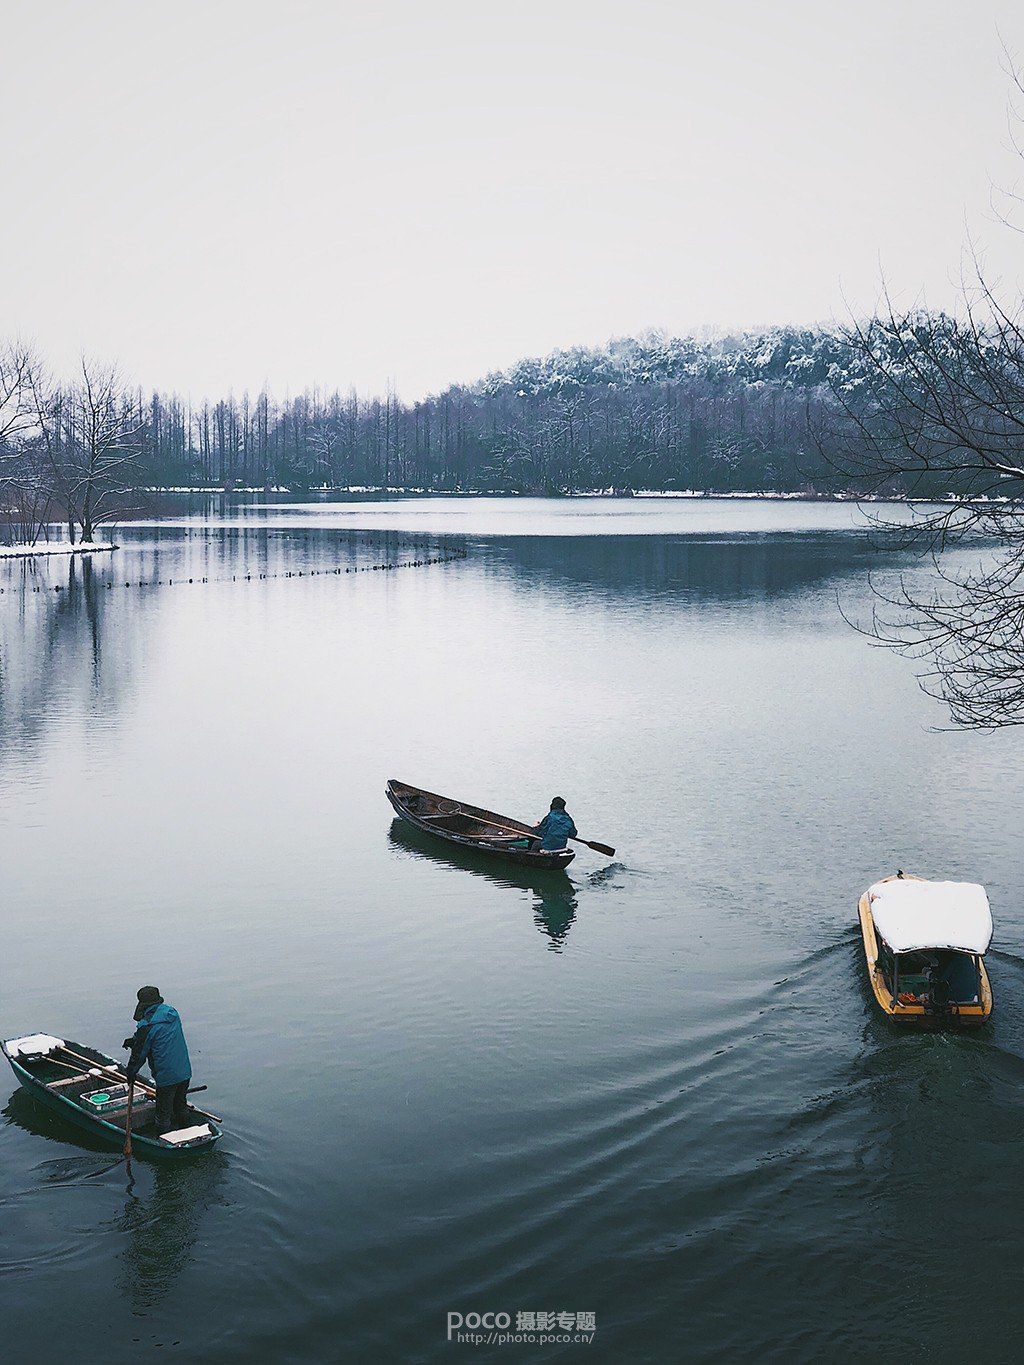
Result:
{"points": [[113, 1071], [90, 1065], [128, 1122], [598, 848], [94, 1070]]}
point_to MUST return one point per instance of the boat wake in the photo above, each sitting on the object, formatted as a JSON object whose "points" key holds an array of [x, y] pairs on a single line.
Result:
{"points": [[604, 878], [810, 963], [1003, 955]]}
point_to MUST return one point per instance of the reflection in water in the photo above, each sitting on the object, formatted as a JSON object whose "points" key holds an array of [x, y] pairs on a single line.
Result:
{"points": [[55, 625], [554, 908], [440, 1104], [71, 627], [720, 568], [163, 1225], [164, 1204], [29, 1114], [70, 632]]}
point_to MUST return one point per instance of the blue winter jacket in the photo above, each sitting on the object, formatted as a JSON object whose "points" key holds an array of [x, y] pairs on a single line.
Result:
{"points": [[556, 829], [159, 1039]]}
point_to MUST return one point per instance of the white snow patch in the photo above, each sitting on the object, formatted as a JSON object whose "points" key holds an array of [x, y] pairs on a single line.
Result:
{"points": [[85, 547], [33, 1045], [912, 914]]}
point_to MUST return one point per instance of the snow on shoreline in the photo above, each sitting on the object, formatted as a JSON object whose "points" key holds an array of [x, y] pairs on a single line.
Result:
{"points": [[694, 494], [85, 547]]}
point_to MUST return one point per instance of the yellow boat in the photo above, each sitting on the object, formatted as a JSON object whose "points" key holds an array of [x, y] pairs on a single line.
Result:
{"points": [[924, 943]]}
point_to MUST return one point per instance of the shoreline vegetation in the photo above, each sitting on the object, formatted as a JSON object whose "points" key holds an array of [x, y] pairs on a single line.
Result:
{"points": [[693, 494], [783, 413], [755, 414], [362, 490]]}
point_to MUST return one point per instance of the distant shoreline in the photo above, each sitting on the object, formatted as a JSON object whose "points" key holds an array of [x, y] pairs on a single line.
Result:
{"points": [[688, 494]]}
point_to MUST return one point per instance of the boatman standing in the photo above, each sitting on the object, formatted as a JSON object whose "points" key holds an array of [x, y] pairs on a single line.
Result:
{"points": [[557, 828], [160, 1040]]}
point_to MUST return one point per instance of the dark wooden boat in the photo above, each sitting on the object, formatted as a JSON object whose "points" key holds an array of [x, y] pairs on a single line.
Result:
{"points": [[88, 1088], [500, 836]]}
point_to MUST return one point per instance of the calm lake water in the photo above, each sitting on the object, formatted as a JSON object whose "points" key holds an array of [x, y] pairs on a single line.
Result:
{"points": [[654, 1090]]}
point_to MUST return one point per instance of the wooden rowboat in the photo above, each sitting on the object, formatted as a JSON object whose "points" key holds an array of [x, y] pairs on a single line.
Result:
{"points": [[473, 827], [924, 943], [89, 1089]]}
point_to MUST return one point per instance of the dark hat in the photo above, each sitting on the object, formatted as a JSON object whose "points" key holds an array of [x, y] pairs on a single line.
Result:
{"points": [[558, 803], [148, 997]]}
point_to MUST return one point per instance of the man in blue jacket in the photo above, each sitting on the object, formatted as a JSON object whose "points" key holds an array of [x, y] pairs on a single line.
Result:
{"points": [[557, 828], [160, 1040]]}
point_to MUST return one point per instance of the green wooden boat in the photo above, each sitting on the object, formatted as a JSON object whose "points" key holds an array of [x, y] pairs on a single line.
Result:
{"points": [[90, 1090]]}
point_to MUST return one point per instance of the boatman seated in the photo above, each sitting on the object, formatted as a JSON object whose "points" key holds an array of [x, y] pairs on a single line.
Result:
{"points": [[160, 1040], [557, 828]]}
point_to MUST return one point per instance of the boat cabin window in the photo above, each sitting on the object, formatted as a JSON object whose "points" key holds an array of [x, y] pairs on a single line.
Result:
{"points": [[945, 975]]}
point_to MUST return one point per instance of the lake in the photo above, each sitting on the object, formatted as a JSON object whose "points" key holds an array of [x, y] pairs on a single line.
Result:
{"points": [[655, 1090]]}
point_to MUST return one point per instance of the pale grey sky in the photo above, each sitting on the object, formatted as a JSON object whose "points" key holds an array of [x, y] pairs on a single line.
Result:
{"points": [[220, 195]]}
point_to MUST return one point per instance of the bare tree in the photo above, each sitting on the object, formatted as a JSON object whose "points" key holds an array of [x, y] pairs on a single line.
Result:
{"points": [[17, 408], [29, 490], [324, 440], [24, 475], [935, 411], [935, 414], [96, 446]]}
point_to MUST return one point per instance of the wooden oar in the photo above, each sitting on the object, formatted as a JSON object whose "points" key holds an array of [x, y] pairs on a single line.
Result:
{"points": [[70, 1066], [128, 1122], [110, 1070], [81, 1072], [99, 1066], [523, 834], [150, 1090]]}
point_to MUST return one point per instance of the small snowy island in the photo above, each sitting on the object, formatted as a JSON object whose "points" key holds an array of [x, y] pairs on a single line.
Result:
{"points": [[84, 547]]}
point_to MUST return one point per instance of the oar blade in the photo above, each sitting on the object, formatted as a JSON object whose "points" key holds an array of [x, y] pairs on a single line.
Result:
{"points": [[606, 849]]}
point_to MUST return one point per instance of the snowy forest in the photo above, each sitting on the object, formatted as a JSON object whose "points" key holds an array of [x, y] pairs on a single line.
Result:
{"points": [[651, 413], [762, 411]]}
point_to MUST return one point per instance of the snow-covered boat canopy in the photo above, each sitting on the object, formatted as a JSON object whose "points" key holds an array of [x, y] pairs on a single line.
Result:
{"points": [[912, 914]]}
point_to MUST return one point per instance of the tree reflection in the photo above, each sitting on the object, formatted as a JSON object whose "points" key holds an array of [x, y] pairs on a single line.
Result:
{"points": [[55, 624], [716, 568]]}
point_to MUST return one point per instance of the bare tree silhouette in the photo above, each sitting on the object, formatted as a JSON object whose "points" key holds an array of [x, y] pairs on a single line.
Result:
{"points": [[935, 413]]}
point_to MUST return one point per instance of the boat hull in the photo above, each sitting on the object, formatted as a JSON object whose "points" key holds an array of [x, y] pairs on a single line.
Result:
{"points": [[400, 795], [915, 1015], [110, 1133]]}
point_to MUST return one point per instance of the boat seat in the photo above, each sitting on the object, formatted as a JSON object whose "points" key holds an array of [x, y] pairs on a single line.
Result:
{"points": [[73, 1086]]}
